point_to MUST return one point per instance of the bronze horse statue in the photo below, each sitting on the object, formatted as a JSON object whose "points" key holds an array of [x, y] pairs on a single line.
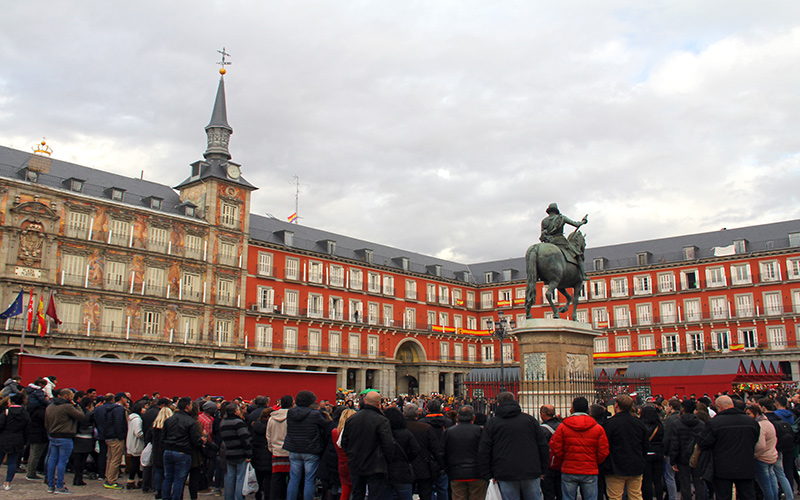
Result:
{"points": [[546, 262]]}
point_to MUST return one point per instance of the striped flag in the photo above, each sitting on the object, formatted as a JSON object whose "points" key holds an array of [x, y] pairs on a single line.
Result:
{"points": [[40, 320], [293, 217]]}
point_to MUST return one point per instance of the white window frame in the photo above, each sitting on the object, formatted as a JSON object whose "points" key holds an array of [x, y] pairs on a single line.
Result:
{"points": [[642, 284], [264, 263], [263, 337], [666, 282], [619, 287]]}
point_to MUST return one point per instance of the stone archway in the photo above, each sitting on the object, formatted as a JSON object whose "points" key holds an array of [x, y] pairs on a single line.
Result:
{"points": [[9, 364], [410, 356]]}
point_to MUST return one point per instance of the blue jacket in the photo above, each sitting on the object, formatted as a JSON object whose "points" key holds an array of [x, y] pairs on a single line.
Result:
{"points": [[115, 422]]}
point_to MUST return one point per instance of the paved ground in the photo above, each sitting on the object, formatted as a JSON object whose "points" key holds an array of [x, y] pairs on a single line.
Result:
{"points": [[23, 489]]}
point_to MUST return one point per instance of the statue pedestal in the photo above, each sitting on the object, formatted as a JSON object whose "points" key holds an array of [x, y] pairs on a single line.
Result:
{"points": [[556, 363]]}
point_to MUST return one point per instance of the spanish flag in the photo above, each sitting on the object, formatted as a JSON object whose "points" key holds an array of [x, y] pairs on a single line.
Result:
{"points": [[737, 347], [40, 320]]}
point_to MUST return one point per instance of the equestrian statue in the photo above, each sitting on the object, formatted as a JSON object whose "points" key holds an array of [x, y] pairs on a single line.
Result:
{"points": [[557, 261]]}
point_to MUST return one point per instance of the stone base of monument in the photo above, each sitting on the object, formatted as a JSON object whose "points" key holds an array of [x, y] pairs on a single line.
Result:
{"points": [[556, 363]]}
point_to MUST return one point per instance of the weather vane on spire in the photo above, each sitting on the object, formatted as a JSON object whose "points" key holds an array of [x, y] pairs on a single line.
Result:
{"points": [[223, 63]]}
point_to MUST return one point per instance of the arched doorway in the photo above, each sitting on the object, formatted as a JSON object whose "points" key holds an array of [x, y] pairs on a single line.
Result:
{"points": [[9, 364], [410, 355]]}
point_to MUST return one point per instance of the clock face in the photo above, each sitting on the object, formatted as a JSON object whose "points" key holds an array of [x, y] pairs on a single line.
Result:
{"points": [[233, 171]]}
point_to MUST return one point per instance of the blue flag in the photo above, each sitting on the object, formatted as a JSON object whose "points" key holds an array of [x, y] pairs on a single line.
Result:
{"points": [[15, 309]]}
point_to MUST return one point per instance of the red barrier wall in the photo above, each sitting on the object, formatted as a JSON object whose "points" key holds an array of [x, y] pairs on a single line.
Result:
{"points": [[176, 379], [698, 385]]}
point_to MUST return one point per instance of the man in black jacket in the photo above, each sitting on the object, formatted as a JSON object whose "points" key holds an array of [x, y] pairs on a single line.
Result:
{"points": [[436, 419], [551, 482], [115, 431], [513, 451], [460, 444], [684, 434], [429, 463], [367, 441], [732, 436], [305, 442], [180, 437], [628, 443]]}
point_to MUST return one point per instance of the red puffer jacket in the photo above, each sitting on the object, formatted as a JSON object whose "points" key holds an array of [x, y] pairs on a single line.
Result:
{"points": [[579, 445]]}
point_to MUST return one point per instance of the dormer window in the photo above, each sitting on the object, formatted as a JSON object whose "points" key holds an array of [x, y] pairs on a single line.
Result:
{"points": [[153, 202], [404, 263], [368, 256], [435, 269], [117, 194], [195, 169], [642, 258], [288, 238], [189, 211], [488, 277], [506, 274], [331, 247], [31, 175], [689, 253], [599, 264], [794, 239], [740, 246], [76, 185]]}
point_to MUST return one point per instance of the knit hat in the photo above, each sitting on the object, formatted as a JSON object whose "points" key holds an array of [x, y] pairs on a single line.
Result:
{"points": [[209, 407]]}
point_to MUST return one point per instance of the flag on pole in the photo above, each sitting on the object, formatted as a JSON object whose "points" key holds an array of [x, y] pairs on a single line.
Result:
{"points": [[15, 309], [51, 310], [40, 319], [293, 217], [30, 312]]}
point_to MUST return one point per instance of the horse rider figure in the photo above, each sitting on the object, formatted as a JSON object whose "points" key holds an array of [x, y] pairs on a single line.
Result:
{"points": [[553, 232]]}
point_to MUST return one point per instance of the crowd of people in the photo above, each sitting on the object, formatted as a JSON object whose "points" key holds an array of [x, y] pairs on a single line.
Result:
{"points": [[436, 447]]}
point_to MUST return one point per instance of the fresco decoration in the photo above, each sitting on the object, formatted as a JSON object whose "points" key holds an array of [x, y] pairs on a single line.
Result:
{"points": [[140, 231], [31, 244], [174, 277], [137, 267], [197, 196], [3, 203], [171, 320], [176, 238], [91, 312], [96, 266], [134, 311]]}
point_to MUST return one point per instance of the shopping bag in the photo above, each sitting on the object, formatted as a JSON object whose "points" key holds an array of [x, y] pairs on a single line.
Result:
{"points": [[147, 455], [493, 492], [250, 481]]}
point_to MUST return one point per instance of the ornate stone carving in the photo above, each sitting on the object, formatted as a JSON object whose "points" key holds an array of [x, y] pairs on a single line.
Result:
{"points": [[535, 366], [577, 363], [31, 242]]}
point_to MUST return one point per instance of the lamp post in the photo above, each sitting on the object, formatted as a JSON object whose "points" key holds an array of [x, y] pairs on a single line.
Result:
{"points": [[502, 328]]}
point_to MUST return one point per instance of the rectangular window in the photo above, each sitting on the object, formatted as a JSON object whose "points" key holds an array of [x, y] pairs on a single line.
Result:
{"points": [[115, 275], [470, 300], [354, 345], [689, 280], [719, 307], [472, 351], [715, 277], [721, 340], [334, 342], [151, 324], [793, 268], [290, 339], [388, 315], [458, 352], [487, 276], [264, 337], [292, 269], [316, 309], [600, 317], [693, 310], [374, 282], [388, 284], [410, 319], [581, 317], [666, 282], [225, 292], [623, 344], [621, 319], [598, 289], [645, 342], [189, 324], [157, 240], [193, 247], [740, 274], [228, 255], [71, 316], [600, 344], [488, 353], [444, 295], [642, 285], [444, 351], [336, 308], [229, 215], [154, 281], [671, 344], [443, 319], [291, 305], [748, 338], [472, 323], [337, 276], [770, 271], [315, 272], [619, 287], [78, 225], [120, 233], [431, 318], [776, 336], [430, 294], [314, 341], [264, 264], [356, 279], [373, 315], [486, 300], [772, 303], [644, 314], [190, 286], [796, 301], [356, 312], [372, 346], [744, 306], [458, 322], [508, 353], [411, 289], [73, 269], [667, 312], [113, 322], [694, 342]]}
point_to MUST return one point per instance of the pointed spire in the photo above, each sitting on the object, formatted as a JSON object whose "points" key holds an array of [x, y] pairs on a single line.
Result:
{"points": [[218, 131]]}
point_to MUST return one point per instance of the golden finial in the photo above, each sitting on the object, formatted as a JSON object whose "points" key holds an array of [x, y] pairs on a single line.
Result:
{"points": [[42, 148], [223, 63]]}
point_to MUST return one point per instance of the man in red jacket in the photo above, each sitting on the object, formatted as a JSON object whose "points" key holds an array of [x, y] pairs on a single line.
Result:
{"points": [[579, 445]]}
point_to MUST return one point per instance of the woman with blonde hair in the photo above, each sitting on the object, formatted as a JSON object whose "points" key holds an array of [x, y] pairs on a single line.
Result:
{"points": [[344, 470], [157, 460]]}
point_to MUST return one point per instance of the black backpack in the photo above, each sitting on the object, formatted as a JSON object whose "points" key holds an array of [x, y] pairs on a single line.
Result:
{"points": [[784, 433]]}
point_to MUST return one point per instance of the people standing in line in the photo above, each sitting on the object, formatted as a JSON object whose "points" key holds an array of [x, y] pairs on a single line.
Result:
{"points": [[672, 411], [653, 477], [367, 441], [134, 445], [260, 403], [37, 434], [401, 475], [84, 441], [155, 437], [262, 458], [551, 482], [13, 385], [148, 417], [103, 406], [732, 437], [14, 424], [115, 432], [439, 422], [429, 463], [180, 437], [766, 454], [579, 446], [276, 434], [628, 446], [460, 445], [61, 421], [238, 450], [684, 435], [513, 451], [341, 457], [305, 442], [784, 444]]}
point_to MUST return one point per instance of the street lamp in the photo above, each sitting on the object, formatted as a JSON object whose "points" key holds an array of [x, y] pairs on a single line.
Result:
{"points": [[502, 328]]}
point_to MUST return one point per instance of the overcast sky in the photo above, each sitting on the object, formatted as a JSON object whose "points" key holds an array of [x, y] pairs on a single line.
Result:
{"points": [[436, 126]]}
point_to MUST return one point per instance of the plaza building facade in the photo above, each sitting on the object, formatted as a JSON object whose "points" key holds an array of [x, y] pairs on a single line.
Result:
{"points": [[143, 271]]}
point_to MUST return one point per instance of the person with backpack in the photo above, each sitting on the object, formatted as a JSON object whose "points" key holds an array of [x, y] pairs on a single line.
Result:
{"points": [[684, 433], [765, 453], [784, 443], [551, 482]]}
